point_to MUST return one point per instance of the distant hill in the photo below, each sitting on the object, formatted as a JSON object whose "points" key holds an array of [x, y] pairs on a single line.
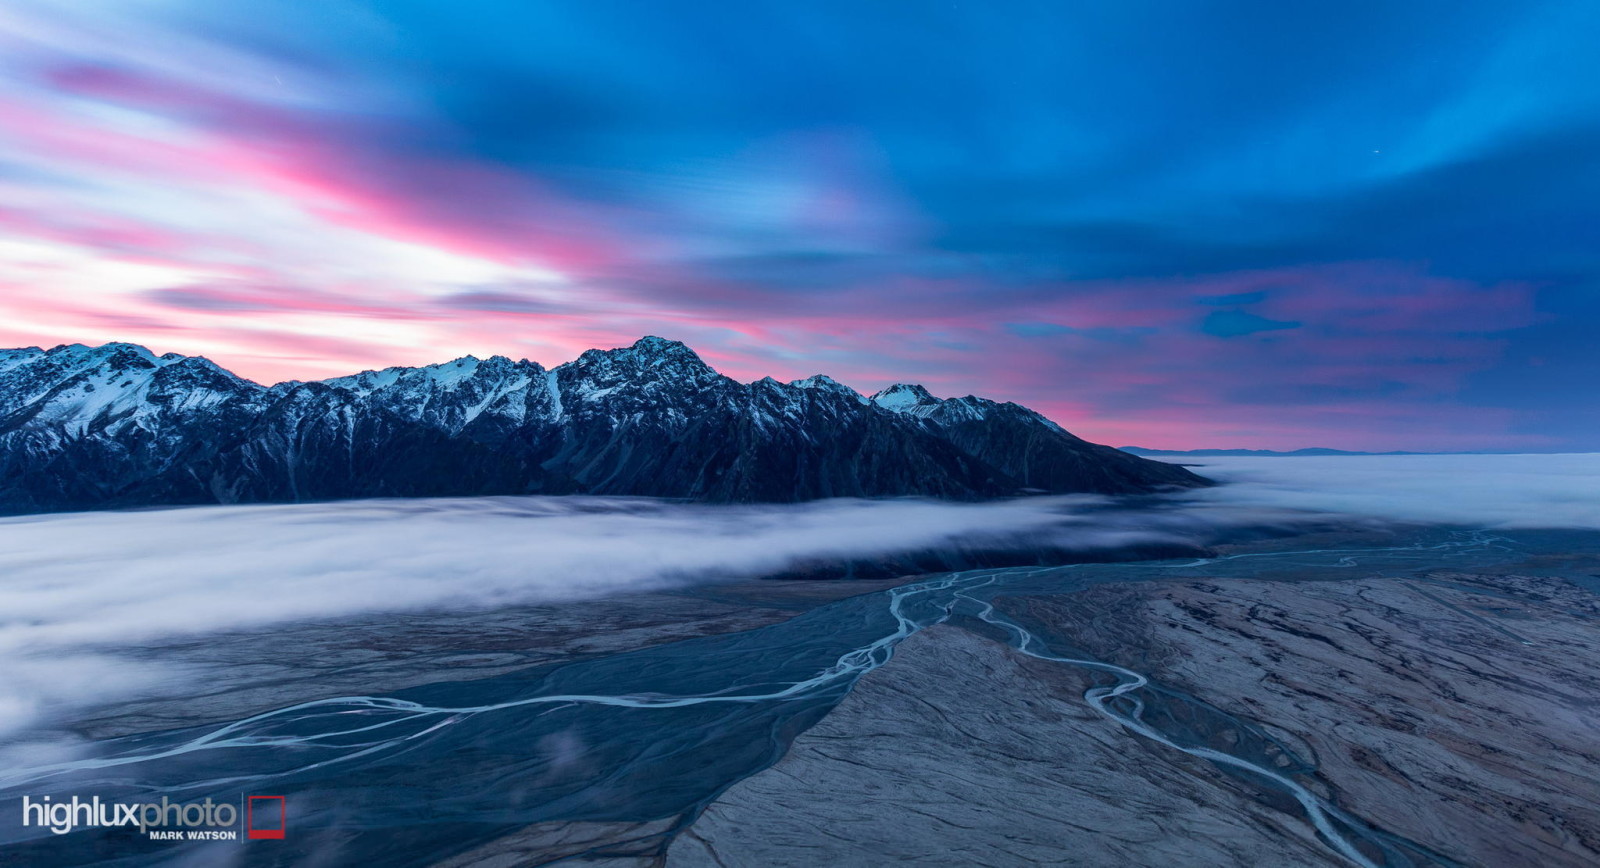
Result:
{"points": [[1218, 453]]}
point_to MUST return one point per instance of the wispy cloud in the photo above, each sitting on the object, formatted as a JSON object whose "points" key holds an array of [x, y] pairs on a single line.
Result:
{"points": [[1248, 247]]}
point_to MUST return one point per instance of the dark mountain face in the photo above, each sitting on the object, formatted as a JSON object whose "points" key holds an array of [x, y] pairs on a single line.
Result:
{"points": [[116, 426]]}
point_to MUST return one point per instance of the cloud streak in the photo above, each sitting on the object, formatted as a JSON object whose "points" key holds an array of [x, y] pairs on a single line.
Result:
{"points": [[1356, 244]]}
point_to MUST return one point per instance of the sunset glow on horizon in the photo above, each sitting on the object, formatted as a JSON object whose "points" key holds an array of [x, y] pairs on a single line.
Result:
{"points": [[1178, 236]]}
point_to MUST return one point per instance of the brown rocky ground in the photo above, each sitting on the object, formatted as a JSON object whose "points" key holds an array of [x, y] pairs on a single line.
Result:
{"points": [[1455, 710], [961, 751]]}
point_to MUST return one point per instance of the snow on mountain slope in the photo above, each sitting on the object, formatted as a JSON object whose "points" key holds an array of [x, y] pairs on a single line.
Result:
{"points": [[451, 395], [79, 389], [87, 427], [906, 398], [825, 383]]}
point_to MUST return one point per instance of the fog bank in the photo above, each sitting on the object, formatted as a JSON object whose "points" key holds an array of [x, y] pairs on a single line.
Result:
{"points": [[1507, 491], [77, 588], [79, 591]]}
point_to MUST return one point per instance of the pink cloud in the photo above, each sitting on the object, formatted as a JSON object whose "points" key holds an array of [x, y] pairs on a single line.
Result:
{"points": [[1376, 351]]}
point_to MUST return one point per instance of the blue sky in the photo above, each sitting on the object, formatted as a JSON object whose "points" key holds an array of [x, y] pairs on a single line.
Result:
{"points": [[1367, 225]]}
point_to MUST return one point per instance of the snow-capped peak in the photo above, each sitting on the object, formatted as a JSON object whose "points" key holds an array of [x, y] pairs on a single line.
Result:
{"points": [[656, 343], [825, 383], [650, 419], [116, 351], [644, 354], [903, 397]]}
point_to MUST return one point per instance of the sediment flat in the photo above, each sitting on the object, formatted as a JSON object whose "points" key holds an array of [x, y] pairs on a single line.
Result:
{"points": [[1454, 711], [220, 678], [961, 751]]}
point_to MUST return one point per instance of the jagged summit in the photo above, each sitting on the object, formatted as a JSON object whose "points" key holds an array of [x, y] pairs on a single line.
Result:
{"points": [[115, 425], [657, 344], [823, 383], [902, 397], [648, 351]]}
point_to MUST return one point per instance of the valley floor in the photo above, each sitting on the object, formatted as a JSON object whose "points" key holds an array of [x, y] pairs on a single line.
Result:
{"points": [[1441, 709], [1399, 697]]}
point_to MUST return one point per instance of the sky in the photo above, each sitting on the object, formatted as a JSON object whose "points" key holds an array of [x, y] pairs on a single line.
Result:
{"points": [[1266, 225]]}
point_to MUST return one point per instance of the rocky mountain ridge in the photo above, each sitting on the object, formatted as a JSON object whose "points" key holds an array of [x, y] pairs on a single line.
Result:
{"points": [[118, 426]]}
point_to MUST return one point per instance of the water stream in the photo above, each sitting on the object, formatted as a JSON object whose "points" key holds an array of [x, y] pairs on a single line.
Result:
{"points": [[653, 733]]}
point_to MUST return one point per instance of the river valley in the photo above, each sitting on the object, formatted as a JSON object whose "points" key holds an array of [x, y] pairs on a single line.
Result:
{"points": [[1411, 696]]}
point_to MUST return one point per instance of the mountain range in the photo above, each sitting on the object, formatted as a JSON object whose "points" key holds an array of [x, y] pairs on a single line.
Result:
{"points": [[118, 426]]}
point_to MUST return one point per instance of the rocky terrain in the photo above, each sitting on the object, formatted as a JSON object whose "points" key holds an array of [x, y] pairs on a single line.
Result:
{"points": [[962, 751], [117, 426], [1452, 713], [227, 676], [1396, 696]]}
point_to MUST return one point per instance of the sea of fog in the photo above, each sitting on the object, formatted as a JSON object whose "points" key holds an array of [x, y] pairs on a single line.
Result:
{"points": [[1506, 491], [75, 589]]}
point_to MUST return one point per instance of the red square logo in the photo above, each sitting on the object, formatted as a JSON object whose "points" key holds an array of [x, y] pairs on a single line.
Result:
{"points": [[272, 822]]}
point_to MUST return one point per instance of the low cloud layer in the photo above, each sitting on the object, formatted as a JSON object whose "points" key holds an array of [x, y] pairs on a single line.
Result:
{"points": [[1508, 491], [78, 587], [78, 591]]}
